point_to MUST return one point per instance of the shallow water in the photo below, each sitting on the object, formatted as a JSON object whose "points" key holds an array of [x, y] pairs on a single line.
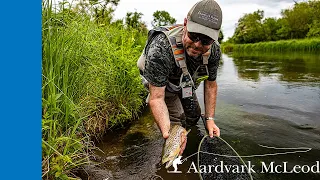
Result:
{"points": [[264, 100]]}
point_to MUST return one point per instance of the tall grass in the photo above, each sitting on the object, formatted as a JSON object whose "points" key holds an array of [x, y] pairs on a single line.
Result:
{"points": [[307, 45], [89, 83]]}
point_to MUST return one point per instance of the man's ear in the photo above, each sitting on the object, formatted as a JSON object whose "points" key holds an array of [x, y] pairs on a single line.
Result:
{"points": [[185, 21]]}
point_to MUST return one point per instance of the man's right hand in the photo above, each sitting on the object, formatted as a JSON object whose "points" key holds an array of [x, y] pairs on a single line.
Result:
{"points": [[165, 134], [159, 109]]}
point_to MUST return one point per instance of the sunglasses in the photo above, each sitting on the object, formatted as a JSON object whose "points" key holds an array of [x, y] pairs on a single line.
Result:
{"points": [[195, 37]]}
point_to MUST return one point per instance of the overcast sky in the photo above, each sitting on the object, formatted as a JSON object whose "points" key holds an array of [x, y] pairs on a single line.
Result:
{"points": [[232, 9]]}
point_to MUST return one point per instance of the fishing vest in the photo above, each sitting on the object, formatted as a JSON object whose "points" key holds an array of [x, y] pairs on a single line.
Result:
{"points": [[174, 35]]}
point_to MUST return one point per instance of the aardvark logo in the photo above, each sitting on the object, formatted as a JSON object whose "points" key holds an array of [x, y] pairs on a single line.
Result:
{"points": [[175, 165]]}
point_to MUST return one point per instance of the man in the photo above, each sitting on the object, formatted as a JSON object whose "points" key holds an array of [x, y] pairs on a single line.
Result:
{"points": [[176, 61]]}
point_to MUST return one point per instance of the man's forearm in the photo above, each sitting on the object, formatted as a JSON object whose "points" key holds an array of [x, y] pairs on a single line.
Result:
{"points": [[210, 97], [159, 109]]}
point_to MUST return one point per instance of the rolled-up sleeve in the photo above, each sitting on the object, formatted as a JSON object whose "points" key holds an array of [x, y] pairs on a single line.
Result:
{"points": [[159, 61], [213, 62]]}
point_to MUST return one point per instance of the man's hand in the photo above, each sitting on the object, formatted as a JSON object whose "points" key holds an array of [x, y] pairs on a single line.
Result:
{"points": [[210, 97], [159, 109], [165, 132], [183, 143], [212, 128], [164, 128]]}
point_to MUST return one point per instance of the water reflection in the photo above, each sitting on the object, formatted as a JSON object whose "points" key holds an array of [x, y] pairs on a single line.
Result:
{"points": [[268, 99], [273, 100], [277, 85], [289, 67]]}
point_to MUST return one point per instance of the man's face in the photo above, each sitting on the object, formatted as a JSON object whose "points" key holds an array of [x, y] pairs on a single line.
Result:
{"points": [[196, 44]]}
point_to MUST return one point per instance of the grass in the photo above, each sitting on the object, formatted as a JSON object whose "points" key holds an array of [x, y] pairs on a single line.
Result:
{"points": [[90, 84], [306, 45]]}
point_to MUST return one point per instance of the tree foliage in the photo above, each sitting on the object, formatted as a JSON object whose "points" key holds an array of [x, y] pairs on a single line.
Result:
{"points": [[220, 38], [301, 21], [100, 11], [133, 20], [298, 19], [270, 27], [162, 18], [249, 28], [314, 30]]}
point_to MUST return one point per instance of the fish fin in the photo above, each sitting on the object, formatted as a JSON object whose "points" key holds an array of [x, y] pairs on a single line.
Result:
{"points": [[164, 160], [188, 132], [169, 163]]}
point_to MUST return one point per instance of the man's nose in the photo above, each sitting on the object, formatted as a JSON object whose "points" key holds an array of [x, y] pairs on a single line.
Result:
{"points": [[198, 44]]}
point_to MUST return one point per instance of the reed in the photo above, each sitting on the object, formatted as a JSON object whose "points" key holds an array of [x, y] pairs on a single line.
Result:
{"points": [[306, 45]]}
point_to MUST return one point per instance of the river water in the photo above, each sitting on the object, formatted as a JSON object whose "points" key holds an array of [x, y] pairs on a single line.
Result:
{"points": [[264, 101]]}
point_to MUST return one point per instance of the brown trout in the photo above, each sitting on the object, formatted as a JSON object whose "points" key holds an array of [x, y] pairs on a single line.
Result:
{"points": [[172, 145]]}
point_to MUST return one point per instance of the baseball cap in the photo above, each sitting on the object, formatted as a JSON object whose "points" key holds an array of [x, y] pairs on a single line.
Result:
{"points": [[205, 17]]}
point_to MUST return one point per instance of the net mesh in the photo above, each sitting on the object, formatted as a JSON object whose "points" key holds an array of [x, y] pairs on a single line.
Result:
{"points": [[214, 161]]}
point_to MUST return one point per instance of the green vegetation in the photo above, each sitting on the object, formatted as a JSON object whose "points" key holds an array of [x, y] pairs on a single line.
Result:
{"points": [[90, 82], [309, 45], [302, 21], [162, 18]]}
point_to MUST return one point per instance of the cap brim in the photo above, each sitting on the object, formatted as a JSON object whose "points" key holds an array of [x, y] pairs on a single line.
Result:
{"points": [[198, 28]]}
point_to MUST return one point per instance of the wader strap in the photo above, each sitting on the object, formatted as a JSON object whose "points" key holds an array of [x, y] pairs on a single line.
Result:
{"points": [[173, 26], [205, 57], [179, 56], [174, 34]]}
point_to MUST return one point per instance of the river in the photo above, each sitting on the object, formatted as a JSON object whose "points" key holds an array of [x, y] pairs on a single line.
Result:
{"points": [[264, 101]]}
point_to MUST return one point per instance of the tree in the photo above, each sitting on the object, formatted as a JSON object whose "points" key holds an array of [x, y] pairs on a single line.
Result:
{"points": [[101, 11], [133, 19], [162, 18], [301, 21], [284, 32], [315, 9], [298, 19], [103, 14], [249, 28], [271, 26], [314, 27], [105, 2], [314, 30]]}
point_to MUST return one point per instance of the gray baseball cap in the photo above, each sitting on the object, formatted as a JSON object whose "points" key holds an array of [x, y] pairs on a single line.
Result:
{"points": [[205, 17]]}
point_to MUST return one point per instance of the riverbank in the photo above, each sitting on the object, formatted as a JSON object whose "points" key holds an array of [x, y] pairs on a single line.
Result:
{"points": [[304, 45], [90, 84]]}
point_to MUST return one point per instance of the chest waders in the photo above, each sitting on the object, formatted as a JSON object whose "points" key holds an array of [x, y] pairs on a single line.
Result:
{"points": [[187, 84]]}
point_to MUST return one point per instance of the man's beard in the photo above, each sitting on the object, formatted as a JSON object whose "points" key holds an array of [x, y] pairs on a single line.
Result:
{"points": [[196, 49]]}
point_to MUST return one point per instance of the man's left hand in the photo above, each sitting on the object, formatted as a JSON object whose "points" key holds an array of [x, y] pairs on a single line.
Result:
{"points": [[183, 143]]}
